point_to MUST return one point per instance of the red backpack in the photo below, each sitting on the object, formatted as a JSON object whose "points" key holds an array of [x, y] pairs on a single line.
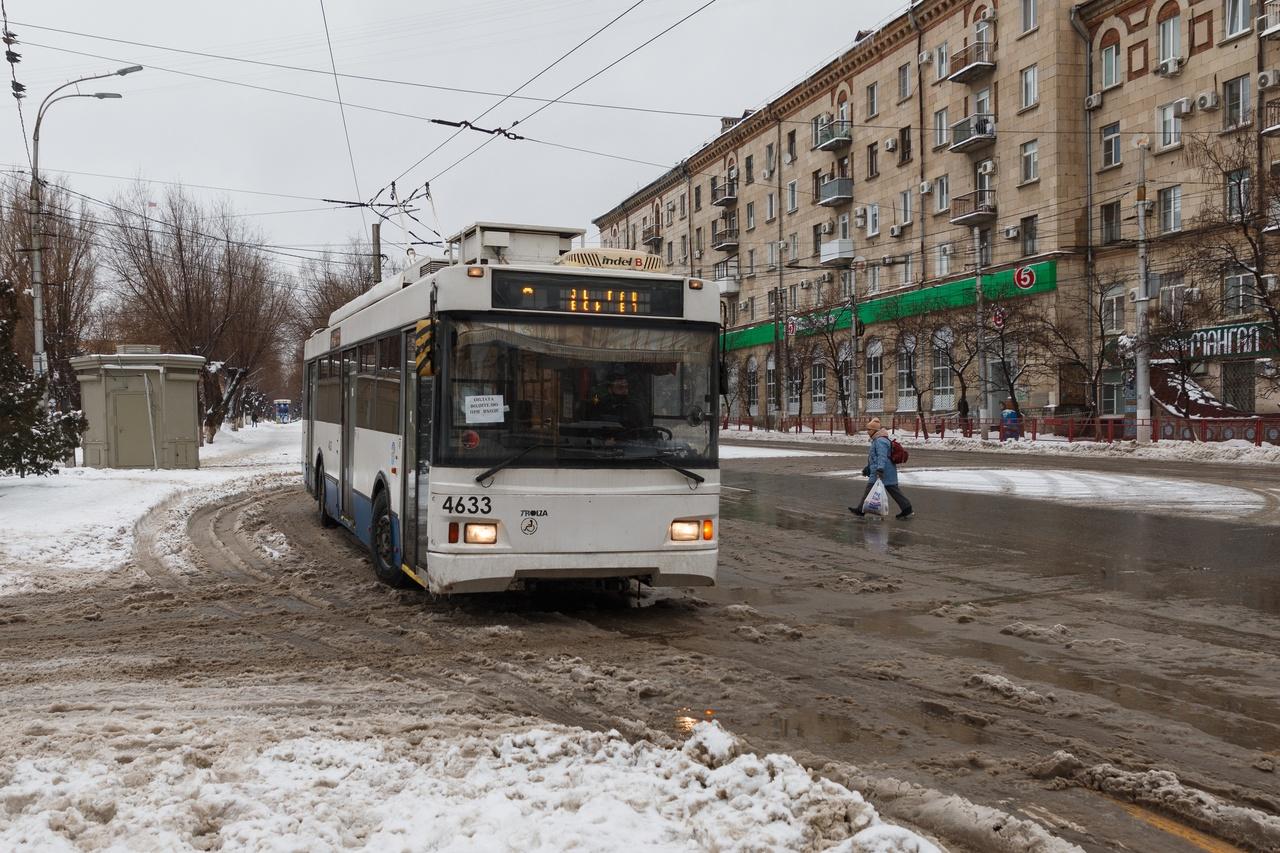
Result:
{"points": [[897, 453]]}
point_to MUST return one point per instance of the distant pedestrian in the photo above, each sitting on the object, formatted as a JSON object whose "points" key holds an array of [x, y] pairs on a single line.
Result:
{"points": [[880, 467], [1010, 420]]}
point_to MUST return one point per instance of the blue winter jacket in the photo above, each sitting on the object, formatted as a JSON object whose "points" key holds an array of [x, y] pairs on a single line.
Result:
{"points": [[878, 460]]}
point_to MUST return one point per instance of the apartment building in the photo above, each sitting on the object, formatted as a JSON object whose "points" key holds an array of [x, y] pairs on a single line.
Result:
{"points": [[953, 163], [1183, 89]]}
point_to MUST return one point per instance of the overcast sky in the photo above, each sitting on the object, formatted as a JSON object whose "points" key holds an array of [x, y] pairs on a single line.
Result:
{"points": [[729, 57]]}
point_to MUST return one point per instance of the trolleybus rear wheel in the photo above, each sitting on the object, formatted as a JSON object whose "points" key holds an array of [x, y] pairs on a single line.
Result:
{"points": [[382, 546]]}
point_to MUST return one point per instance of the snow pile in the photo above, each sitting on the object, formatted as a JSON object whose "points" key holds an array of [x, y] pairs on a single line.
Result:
{"points": [[82, 520], [1165, 450], [547, 789]]}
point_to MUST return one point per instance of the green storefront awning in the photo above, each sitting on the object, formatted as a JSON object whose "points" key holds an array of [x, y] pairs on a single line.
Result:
{"points": [[1035, 278]]}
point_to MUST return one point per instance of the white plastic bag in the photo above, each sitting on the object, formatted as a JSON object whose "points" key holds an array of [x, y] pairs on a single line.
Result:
{"points": [[877, 502]]}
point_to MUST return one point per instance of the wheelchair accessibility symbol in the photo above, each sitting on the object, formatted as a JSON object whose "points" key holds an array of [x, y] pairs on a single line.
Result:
{"points": [[529, 526]]}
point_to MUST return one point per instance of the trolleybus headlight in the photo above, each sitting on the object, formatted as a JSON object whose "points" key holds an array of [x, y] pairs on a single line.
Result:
{"points": [[685, 531], [480, 534]]}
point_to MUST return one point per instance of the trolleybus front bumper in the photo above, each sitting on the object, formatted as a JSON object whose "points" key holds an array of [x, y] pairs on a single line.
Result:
{"points": [[450, 573]]}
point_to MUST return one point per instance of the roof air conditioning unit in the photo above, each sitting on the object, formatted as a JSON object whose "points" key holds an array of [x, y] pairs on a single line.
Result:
{"points": [[1011, 232], [926, 187], [896, 230], [828, 227], [1208, 101], [1268, 79], [925, 58], [1092, 102], [1183, 107], [987, 15], [1171, 66], [986, 167], [891, 144]]}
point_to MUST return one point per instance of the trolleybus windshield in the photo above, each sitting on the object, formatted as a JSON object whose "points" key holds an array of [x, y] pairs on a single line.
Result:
{"points": [[544, 391]]}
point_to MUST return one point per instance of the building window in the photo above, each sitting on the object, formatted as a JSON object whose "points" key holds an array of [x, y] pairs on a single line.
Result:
{"points": [[791, 146], [904, 82], [753, 384], [792, 197], [1110, 65], [670, 252], [941, 128], [873, 100], [906, 374], [1030, 15], [749, 168], [1239, 380], [817, 239], [942, 193], [1169, 200], [751, 262], [873, 159], [684, 248], [815, 192], [1027, 232], [1113, 392], [768, 159], [984, 247], [904, 145], [1171, 38], [697, 239], [770, 207], [697, 197], [684, 205], [1235, 103], [942, 61], [875, 376], [671, 212], [795, 294], [771, 260], [842, 226], [1237, 193], [1030, 86], [873, 220], [1173, 295], [751, 215], [1113, 310], [908, 268], [771, 383], [1237, 294], [1111, 144], [795, 381], [1170, 126], [1030, 159], [944, 381], [1110, 219], [818, 387], [793, 253], [942, 264], [1236, 16], [815, 125], [904, 207], [873, 279]]}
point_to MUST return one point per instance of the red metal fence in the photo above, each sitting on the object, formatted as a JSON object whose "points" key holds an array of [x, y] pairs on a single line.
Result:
{"points": [[1256, 430]]}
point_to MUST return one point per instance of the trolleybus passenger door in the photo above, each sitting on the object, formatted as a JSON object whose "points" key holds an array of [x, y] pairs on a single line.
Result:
{"points": [[417, 445], [349, 365]]}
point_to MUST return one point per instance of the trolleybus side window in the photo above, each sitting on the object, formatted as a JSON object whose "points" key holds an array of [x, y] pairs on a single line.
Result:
{"points": [[386, 400], [366, 384], [328, 406]]}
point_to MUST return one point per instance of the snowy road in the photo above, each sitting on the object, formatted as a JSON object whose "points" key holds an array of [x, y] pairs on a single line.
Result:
{"points": [[995, 674]]}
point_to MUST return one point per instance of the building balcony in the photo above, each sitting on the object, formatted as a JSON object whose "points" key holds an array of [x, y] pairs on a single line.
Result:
{"points": [[725, 193], [651, 235], [972, 62], [726, 270], [836, 253], [834, 135], [724, 239], [1269, 20], [973, 132], [729, 286], [835, 191], [973, 208], [1271, 118]]}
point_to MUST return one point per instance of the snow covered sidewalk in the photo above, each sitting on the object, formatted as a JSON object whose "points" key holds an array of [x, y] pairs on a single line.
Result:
{"points": [[528, 788], [1221, 452], [73, 526]]}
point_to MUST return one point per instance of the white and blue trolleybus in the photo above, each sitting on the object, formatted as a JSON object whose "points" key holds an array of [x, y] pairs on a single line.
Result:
{"points": [[526, 412]]}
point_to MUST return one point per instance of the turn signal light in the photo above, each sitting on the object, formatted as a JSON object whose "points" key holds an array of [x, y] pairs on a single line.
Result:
{"points": [[475, 272], [684, 531], [695, 284], [480, 534], [708, 529], [453, 533]]}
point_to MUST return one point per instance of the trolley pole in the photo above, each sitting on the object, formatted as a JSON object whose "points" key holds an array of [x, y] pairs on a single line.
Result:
{"points": [[980, 325], [777, 355], [377, 251], [1142, 351]]}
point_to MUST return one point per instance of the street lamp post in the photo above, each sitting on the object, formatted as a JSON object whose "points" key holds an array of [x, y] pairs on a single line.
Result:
{"points": [[39, 360]]}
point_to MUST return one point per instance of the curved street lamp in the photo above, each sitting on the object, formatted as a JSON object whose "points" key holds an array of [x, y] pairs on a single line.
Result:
{"points": [[39, 362]]}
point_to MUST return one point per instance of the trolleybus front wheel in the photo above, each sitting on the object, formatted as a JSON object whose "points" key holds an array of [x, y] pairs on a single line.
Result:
{"points": [[382, 547], [326, 520]]}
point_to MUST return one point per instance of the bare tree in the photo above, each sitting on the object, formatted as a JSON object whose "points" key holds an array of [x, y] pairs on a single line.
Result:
{"points": [[1015, 348], [829, 325], [1172, 342], [1075, 336], [71, 282]]}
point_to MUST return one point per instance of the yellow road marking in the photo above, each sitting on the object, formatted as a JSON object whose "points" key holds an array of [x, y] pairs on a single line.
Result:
{"points": [[1194, 837]]}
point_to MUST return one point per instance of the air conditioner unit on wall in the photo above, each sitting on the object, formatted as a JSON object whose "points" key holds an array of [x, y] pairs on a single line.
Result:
{"points": [[805, 284], [1011, 232], [925, 58], [766, 173], [828, 227], [896, 230], [986, 15], [987, 167], [926, 187], [1092, 102], [1183, 107], [1171, 66], [891, 144], [1208, 101], [1268, 79], [825, 277]]}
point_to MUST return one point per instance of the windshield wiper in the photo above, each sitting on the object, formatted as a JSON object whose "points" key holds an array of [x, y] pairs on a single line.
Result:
{"points": [[484, 475], [692, 475]]}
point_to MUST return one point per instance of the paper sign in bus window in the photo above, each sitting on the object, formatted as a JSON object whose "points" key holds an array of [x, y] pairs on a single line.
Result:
{"points": [[483, 408]]}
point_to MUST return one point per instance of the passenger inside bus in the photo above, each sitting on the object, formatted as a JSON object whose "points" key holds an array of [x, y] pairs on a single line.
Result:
{"points": [[616, 404]]}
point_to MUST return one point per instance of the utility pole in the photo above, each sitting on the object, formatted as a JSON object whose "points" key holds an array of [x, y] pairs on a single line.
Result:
{"points": [[377, 251], [1142, 353], [777, 355], [983, 393]]}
